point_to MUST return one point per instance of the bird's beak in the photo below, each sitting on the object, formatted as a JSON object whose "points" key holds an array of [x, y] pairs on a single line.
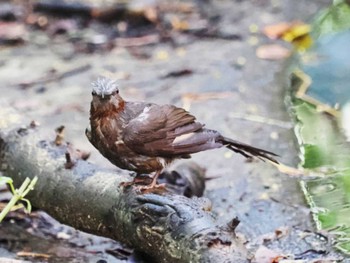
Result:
{"points": [[105, 97]]}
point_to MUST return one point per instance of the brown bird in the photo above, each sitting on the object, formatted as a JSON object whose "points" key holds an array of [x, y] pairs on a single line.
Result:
{"points": [[146, 137]]}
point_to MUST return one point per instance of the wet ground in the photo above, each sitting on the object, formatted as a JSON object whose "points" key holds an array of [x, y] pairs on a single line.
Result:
{"points": [[217, 77]]}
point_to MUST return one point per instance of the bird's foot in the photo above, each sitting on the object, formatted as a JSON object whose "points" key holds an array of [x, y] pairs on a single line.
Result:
{"points": [[139, 179], [145, 184], [155, 189], [145, 189]]}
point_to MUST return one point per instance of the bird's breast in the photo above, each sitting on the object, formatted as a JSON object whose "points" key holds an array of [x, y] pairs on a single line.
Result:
{"points": [[107, 137]]}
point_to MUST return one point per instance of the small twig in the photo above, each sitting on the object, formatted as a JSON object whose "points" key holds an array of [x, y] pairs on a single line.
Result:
{"points": [[261, 119], [178, 73], [69, 163], [291, 171], [137, 41], [213, 34], [32, 255], [55, 76], [59, 135], [189, 97], [302, 94]]}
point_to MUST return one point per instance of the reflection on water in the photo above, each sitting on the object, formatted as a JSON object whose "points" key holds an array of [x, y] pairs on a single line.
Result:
{"points": [[329, 66], [323, 144], [329, 199], [329, 69]]}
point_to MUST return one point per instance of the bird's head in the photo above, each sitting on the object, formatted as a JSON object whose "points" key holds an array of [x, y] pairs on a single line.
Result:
{"points": [[105, 94]]}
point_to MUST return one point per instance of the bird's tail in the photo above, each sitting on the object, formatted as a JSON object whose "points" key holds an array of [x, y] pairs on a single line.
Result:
{"points": [[249, 151]]}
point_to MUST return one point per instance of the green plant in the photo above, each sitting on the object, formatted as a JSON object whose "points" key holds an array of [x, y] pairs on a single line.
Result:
{"points": [[18, 194]]}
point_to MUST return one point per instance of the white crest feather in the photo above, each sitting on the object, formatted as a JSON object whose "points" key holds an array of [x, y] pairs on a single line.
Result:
{"points": [[104, 86]]}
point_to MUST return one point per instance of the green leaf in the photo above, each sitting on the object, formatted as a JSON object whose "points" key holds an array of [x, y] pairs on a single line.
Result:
{"points": [[5, 180], [18, 194], [29, 205], [335, 19]]}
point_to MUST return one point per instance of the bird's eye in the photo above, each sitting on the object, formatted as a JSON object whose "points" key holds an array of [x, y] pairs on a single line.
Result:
{"points": [[93, 93], [115, 92]]}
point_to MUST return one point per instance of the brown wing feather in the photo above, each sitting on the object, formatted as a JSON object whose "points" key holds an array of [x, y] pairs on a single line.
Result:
{"points": [[154, 132], [168, 131], [147, 126]]}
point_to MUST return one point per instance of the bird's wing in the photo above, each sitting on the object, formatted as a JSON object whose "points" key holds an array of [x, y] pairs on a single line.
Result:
{"points": [[167, 131]]}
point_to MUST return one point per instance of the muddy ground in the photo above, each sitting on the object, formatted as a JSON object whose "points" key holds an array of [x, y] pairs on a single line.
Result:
{"points": [[217, 76]]}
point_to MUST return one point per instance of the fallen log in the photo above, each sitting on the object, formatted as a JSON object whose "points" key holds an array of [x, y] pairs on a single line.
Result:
{"points": [[167, 227]]}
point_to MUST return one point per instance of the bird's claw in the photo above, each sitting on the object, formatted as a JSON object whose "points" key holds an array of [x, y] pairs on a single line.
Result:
{"points": [[154, 189], [138, 180], [144, 186]]}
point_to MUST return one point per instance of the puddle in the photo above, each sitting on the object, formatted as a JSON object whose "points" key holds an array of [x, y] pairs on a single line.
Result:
{"points": [[322, 139]]}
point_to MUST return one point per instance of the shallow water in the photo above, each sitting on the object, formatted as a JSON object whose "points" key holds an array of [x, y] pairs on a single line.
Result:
{"points": [[323, 143]]}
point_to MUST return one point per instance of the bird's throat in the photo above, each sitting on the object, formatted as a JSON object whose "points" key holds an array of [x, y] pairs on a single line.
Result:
{"points": [[107, 109]]}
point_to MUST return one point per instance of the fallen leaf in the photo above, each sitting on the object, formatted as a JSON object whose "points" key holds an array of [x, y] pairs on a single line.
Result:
{"points": [[277, 30], [297, 33], [299, 36], [266, 255], [272, 52]]}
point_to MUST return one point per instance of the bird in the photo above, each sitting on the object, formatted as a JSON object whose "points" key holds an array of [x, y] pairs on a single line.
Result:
{"points": [[146, 137]]}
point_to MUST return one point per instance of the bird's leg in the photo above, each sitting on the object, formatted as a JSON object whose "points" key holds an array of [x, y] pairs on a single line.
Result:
{"points": [[143, 184], [154, 179], [139, 179], [153, 186]]}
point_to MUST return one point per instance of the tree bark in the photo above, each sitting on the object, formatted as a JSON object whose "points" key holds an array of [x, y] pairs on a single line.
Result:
{"points": [[167, 227]]}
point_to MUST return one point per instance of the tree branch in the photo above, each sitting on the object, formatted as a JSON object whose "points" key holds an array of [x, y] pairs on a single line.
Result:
{"points": [[168, 227]]}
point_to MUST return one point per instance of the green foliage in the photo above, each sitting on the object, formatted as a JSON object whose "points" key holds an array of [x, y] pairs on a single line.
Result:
{"points": [[313, 156], [5, 180], [326, 152], [335, 19], [18, 194]]}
